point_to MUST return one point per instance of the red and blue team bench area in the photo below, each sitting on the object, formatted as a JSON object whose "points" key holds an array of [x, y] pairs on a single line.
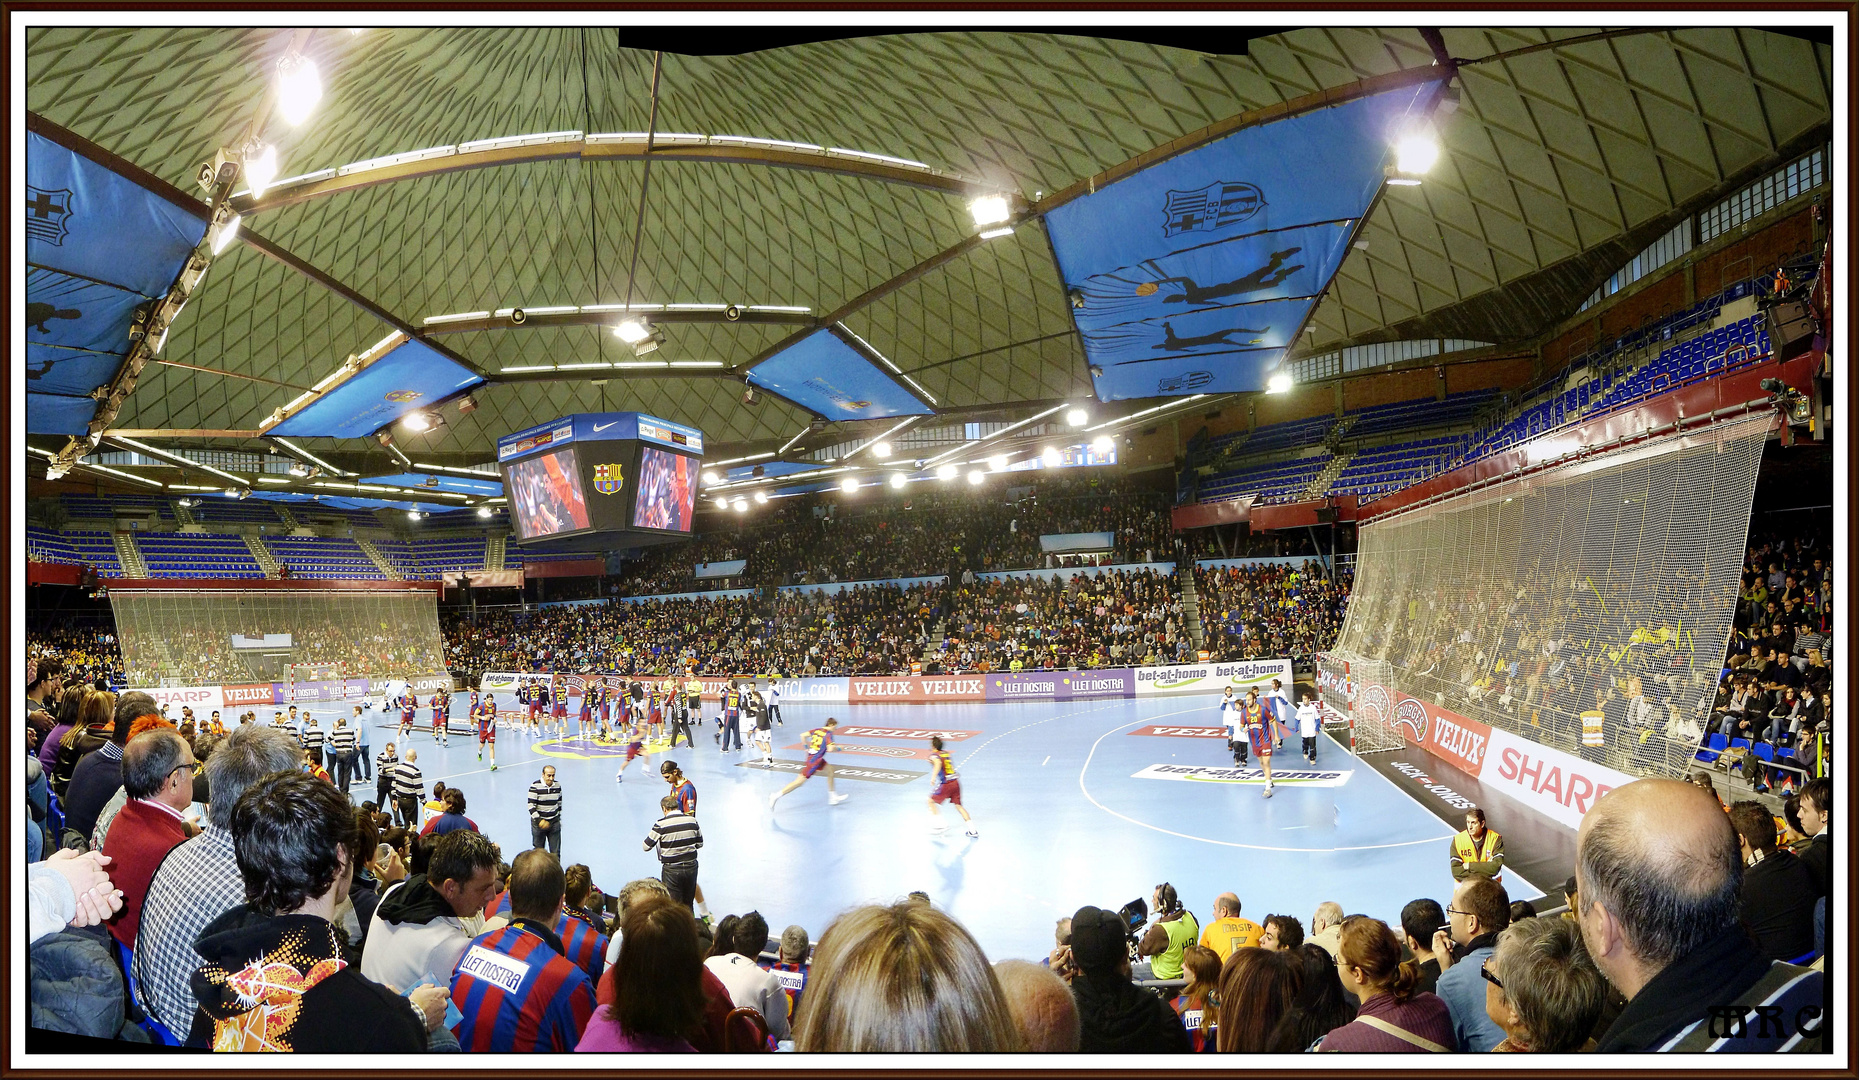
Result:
{"points": [[1078, 802]]}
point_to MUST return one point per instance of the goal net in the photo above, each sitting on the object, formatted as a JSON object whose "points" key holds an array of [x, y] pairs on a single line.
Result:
{"points": [[1363, 719], [1604, 586], [306, 637]]}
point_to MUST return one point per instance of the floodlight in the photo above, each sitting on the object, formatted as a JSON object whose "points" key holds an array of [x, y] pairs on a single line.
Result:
{"points": [[881, 448], [947, 472], [898, 480], [977, 477], [1279, 383], [1077, 417], [849, 484]]}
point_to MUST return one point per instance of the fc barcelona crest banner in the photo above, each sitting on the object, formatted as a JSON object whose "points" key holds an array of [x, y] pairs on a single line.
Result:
{"points": [[608, 479]]}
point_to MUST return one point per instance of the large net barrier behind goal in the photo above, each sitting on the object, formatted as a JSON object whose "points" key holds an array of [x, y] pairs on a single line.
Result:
{"points": [[180, 637], [1585, 607]]}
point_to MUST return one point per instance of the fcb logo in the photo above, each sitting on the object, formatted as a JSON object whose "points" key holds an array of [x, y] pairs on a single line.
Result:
{"points": [[607, 479], [404, 396], [48, 214], [1219, 204]]}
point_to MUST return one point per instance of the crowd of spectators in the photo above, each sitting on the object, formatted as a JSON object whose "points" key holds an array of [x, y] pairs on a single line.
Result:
{"points": [[927, 532], [263, 910], [859, 630], [1111, 618], [88, 654], [1271, 610]]}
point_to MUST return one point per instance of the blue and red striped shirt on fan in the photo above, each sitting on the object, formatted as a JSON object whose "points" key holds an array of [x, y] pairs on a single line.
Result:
{"points": [[519, 994]]}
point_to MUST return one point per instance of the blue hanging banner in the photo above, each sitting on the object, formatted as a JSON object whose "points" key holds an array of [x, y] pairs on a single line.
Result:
{"points": [[464, 484], [823, 373], [1195, 272], [97, 246], [411, 376]]}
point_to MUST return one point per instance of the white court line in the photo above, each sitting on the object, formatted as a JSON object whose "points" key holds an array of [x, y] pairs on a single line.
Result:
{"points": [[1207, 840]]}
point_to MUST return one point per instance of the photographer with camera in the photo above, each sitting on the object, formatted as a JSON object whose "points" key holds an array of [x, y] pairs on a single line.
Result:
{"points": [[1174, 929]]}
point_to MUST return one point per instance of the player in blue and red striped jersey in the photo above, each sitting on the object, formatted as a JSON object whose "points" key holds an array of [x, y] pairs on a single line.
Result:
{"points": [[585, 722], [535, 700], [517, 990], [945, 786], [818, 742], [1259, 734], [605, 702], [686, 793], [409, 704], [486, 719], [635, 747], [558, 711], [441, 703]]}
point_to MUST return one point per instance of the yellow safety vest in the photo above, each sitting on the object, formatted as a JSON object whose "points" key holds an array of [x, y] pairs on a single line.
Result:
{"points": [[1468, 852]]}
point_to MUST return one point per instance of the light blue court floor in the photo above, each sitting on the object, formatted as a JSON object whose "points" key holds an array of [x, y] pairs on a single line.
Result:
{"points": [[1077, 803]]}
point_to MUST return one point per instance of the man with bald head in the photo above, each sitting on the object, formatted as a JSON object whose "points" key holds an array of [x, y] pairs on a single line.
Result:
{"points": [[1041, 1005], [1228, 931], [1658, 876]]}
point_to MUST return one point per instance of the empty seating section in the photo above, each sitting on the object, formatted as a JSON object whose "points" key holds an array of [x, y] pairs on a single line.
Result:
{"points": [[1290, 435], [323, 557], [223, 510], [427, 559], [1277, 481], [95, 508], [1374, 473], [96, 549], [1457, 409], [197, 555]]}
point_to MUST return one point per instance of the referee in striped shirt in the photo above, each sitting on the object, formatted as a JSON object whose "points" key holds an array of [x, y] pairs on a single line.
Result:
{"points": [[545, 812], [342, 753], [408, 786], [677, 838]]}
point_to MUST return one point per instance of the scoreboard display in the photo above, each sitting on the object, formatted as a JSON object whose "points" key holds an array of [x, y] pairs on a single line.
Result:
{"points": [[601, 479]]}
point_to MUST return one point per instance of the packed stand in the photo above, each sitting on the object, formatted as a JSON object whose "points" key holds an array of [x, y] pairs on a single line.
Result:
{"points": [[861, 630], [1115, 618], [924, 534], [1271, 610]]}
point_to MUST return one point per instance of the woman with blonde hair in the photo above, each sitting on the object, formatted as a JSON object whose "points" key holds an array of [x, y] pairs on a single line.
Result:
{"points": [[902, 979], [1395, 1017]]}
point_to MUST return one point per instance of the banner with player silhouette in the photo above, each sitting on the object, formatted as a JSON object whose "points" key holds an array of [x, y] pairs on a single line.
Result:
{"points": [[97, 247], [1194, 275]]}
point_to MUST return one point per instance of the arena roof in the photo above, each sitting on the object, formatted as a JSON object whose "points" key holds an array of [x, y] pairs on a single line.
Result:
{"points": [[834, 168]]}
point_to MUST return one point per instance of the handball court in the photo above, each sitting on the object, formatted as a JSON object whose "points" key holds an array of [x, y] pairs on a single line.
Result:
{"points": [[1083, 802]]}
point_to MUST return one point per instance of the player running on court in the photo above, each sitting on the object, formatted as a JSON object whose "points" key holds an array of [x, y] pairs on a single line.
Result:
{"points": [[487, 728], [1259, 732], [819, 741], [947, 787], [409, 704], [441, 703], [635, 747], [686, 793]]}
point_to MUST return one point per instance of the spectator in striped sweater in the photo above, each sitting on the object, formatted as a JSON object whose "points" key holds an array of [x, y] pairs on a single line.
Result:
{"points": [[677, 838], [408, 783], [342, 754], [517, 990], [545, 812], [312, 736]]}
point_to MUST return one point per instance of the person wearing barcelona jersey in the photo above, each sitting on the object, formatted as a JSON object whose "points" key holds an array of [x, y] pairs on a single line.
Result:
{"points": [[516, 989], [441, 703], [590, 693], [732, 715], [487, 728], [635, 747], [1259, 734], [818, 742], [946, 786], [472, 710], [534, 701], [408, 705], [558, 710]]}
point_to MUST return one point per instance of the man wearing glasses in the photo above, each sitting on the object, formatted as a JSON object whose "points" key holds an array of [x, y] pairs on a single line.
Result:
{"points": [[1479, 911], [158, 777]]}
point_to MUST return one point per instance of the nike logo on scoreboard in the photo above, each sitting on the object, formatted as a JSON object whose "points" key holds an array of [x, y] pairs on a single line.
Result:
{"points": [[598, 428]]}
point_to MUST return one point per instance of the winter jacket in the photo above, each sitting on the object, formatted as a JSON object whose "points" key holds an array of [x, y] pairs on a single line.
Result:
{"points": [[74, 985], [310, 1000], [1115, 1016]]}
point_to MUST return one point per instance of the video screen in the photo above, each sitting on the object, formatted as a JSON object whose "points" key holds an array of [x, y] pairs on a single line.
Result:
{"points": [[545, 495], [667, 493]]}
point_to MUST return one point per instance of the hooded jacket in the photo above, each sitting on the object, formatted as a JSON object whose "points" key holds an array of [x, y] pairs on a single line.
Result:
{"points": [[283, 983], [1115, 1016], [414, 936]]}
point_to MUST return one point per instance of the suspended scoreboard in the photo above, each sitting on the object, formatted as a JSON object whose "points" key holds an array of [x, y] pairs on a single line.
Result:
{"points": [[601, 480]]}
